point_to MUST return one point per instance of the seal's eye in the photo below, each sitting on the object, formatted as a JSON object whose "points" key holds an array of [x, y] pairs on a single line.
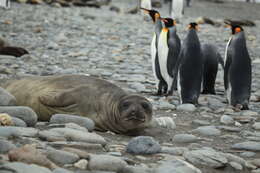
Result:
{"points": [[126, 105], [145, 105]]}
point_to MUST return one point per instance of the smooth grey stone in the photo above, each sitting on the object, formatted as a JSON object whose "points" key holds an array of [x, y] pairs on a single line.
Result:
{"points": [[230, 129], [207, 131], [62, 157], [248, 113], [64, 118], [61, 170], [51, 136], [105, 163], [234, 158], [81, 136], [251, 146], [201, 122], [6, 99], [78, 145], [17, 167], [18, 122], [176, 166], [225, 119], [5, 146], [205, 158], [185, 138], [247, 154], [174, 150], [24, 113], [186, 107], [143, 145], [236, 166], [9, 132]]}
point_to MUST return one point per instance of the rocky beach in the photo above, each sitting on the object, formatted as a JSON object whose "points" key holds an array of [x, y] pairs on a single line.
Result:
{"points": [[113, 44]]}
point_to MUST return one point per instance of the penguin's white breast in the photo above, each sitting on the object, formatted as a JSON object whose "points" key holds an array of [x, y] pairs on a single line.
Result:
{"points": [[163, 50]]}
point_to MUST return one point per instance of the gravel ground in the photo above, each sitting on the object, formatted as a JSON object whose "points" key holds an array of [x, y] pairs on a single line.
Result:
{"points": [[116, 47]]}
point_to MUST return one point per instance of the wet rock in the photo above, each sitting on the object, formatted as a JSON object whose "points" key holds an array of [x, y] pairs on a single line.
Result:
{"points": [[251, 146], [64, 118], [143, 145], [186, 107], [207, 131], [6, 146], [185, 138], [176, 166], [16, 167], [29, 154], [105, 163], [9, 132], [206, 158], [6, 99], [18, 122], [174, 150], [24, 113], [62, 157], [225, 119]]}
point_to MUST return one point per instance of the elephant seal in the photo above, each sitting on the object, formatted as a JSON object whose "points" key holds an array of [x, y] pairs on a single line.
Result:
{"points": [[110, 107]]}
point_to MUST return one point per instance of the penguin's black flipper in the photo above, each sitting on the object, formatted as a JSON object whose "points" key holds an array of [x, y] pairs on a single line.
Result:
{"points": [[13, 51]]}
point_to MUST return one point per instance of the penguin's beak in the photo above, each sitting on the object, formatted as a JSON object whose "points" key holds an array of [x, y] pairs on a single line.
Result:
{"points": [[145, 10], [164, 20]]}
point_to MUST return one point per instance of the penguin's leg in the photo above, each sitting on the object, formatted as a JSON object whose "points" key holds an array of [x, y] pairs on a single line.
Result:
{"points": [[162, 86]]}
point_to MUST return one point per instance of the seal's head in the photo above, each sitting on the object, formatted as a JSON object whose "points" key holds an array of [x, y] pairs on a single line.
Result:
{"points": [[135, 113]]}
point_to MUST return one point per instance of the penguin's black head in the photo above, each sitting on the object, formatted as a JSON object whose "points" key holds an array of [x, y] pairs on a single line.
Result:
{"points": [[193, 25], [153, 13], [168, 22], [235, 28]]}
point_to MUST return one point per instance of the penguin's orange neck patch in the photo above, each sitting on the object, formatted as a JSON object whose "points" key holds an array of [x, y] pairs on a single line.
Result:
{"points": [[165, 29], [237, 30]]}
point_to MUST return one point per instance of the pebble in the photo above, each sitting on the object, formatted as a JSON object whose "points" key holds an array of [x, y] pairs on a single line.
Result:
{"points": [[64, 118], [201, 122], [81, 164], [165, 122], [227, 120], [78, 145], [24, 113], [135, 169], [61, 170], [6, 99], [185, 138], [207, 131], [176, 166], [248, 113], [256, 125], [249, 145], [186, 107], [236, 166], [6, 146], [9, 132], [105, 163], [143, 145], [247, 154], [62, 157], [206, 158], [230, 129]]}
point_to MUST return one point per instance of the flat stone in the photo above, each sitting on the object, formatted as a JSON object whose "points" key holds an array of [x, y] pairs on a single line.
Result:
{"points": [[176, 166], [207, 131], [135, 169], [230, 129], [185, 138], [226, 119], [61, 170], [24, 113], [9, 132], [236, 166], [251, 146], [78, 145], [6, 99], [6, 146], [105, 163], [62, 157], [248, 113], [201, 122], [18, 122], [174, 150], [247, 154], [64, 118], [165, 122], [256, 125], [18, 167], [51, 136], [206, 158], [143, 145], [186, 108]]}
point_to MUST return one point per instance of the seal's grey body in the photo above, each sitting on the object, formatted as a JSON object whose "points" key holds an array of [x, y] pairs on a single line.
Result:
{"points": [[106, 104]]}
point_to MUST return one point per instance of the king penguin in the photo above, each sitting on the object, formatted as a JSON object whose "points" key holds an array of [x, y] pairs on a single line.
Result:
{"points": [[169, 46], [160, 82], [189, 69], [176, 9], [237, 70], [211, 60]]}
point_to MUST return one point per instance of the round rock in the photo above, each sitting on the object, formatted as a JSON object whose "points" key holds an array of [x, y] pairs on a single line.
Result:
{"points": [[225, 119], [185, 138], [186, 107], [143, 145], [208, 131]]}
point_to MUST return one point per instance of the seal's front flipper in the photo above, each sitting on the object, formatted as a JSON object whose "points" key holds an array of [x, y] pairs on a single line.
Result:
{"points": [[61, 98]]}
